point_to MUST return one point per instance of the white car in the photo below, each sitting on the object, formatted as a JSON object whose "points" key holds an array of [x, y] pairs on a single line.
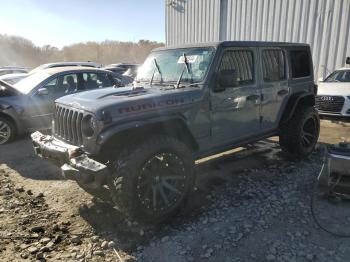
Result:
{"points": [[65, 64], [333, 95]]}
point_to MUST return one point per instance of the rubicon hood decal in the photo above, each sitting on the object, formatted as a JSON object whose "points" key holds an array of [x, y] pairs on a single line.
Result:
{"points": [[152, 105]]}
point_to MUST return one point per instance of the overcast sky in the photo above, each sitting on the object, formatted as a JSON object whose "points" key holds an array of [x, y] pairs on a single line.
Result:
{"points": [[64, 22]]}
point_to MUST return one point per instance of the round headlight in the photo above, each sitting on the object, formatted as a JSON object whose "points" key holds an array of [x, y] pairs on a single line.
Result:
{"points": [[88, 125]]}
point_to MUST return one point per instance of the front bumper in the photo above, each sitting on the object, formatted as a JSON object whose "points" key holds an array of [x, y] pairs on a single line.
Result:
{"points": [[74, 163]]}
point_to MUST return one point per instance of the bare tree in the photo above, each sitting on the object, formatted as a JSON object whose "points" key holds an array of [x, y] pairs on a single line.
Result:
{"points": [[22, 52]]}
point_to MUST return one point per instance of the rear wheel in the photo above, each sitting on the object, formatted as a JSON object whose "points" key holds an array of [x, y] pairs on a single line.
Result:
{"points": [[299, 135], [153, 179], [7, 130]]}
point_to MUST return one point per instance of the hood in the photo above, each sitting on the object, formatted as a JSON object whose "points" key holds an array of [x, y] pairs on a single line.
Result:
{"points": [[334, 88], [7, 90], [128, 101]]}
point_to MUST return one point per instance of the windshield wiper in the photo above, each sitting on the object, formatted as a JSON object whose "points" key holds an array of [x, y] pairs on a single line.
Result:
{"points": [[158, 69], [187, 66]]}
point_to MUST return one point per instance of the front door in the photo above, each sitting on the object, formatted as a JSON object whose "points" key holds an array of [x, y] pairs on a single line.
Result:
{"points": [[41, 107], [235, 110]]}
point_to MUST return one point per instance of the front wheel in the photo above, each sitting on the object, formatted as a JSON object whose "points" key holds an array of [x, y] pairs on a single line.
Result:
{"points": [[7, 130], [153, 179], [299, 135]]}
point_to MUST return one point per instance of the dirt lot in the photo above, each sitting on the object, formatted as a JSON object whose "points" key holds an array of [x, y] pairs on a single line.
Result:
{"points": [[249, 205]]}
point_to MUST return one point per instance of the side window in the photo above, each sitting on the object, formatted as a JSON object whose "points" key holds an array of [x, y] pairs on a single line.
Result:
{"points": [[114, 80], [273, 65], [300, 63], [96, 80], [90, 80], [69, 83], [52, 86], [242, 62], [103, 80]]}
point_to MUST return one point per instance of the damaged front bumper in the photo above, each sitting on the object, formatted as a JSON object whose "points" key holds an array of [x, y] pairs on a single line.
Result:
{"points": [[74, 163]]}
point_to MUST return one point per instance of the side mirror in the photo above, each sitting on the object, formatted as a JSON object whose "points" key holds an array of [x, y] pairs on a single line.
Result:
{"points": [[348, 60], [320, 79], [226, 78], [43, 91]]}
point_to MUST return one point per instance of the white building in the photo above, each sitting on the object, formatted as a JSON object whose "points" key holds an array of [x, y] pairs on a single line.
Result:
{"points": [[324, 24]]}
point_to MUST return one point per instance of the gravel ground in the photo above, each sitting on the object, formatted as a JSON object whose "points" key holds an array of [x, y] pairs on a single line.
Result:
{"points": [[249, 205]]}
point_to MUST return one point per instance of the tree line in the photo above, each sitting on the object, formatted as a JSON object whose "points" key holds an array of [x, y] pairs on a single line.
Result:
{"points": [[19, 51]]}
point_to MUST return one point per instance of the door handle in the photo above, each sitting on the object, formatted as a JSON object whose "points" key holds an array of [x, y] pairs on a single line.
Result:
{"points": [[252, 97], [282, 92]]}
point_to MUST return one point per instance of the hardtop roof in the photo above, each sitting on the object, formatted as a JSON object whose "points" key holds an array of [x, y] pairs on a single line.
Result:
{"points": [[234, 43]]}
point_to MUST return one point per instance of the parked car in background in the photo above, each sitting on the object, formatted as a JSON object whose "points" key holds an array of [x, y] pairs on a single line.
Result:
{"points": [[12, 70], [13, 78], [28, 105], [63, 64], [121, 68], [333, 96], [131, 72]]}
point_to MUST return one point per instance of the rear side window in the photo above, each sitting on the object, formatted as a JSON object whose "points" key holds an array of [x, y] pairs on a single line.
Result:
{"points": [[242, 62], [300, 63], [273, 65], [103, 80]]}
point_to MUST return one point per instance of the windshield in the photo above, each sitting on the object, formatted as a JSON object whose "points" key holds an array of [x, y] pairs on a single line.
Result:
{"points": [[171, 64], [30, 82], [339, 76]]}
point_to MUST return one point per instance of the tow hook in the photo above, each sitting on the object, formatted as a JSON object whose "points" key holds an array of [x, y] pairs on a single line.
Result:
{"points": [[72, 153]]}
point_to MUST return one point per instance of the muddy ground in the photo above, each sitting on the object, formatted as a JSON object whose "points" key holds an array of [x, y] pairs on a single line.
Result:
{"points": [[249, 204]]}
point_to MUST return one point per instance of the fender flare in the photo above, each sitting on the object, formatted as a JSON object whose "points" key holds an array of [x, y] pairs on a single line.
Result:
{"points": [[294, 101], [111, 131]]}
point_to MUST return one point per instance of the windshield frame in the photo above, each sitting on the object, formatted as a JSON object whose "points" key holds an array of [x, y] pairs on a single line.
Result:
{"points": [[213, 49]]}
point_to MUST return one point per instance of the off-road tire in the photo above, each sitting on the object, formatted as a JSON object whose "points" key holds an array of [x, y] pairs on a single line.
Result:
{"points": [[12, 129], [292, 134], [130, 164]]}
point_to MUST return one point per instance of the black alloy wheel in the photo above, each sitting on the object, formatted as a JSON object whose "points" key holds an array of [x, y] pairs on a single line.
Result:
{"points": [[161, 183]]}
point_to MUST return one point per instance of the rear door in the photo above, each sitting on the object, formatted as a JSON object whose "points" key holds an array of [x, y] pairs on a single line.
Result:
{"points": [[274, 87], [235, 110]]}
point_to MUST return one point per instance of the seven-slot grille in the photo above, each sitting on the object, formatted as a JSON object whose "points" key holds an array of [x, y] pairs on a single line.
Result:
{"points": [[68, 125], [330, 104]]}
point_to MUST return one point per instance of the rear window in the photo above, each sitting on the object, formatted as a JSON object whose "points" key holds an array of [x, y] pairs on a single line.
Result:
{"points": [[300, 63]]}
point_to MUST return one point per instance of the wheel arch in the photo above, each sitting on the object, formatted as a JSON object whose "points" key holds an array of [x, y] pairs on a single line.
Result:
{"points": [[118, 136], [296, 100]]}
